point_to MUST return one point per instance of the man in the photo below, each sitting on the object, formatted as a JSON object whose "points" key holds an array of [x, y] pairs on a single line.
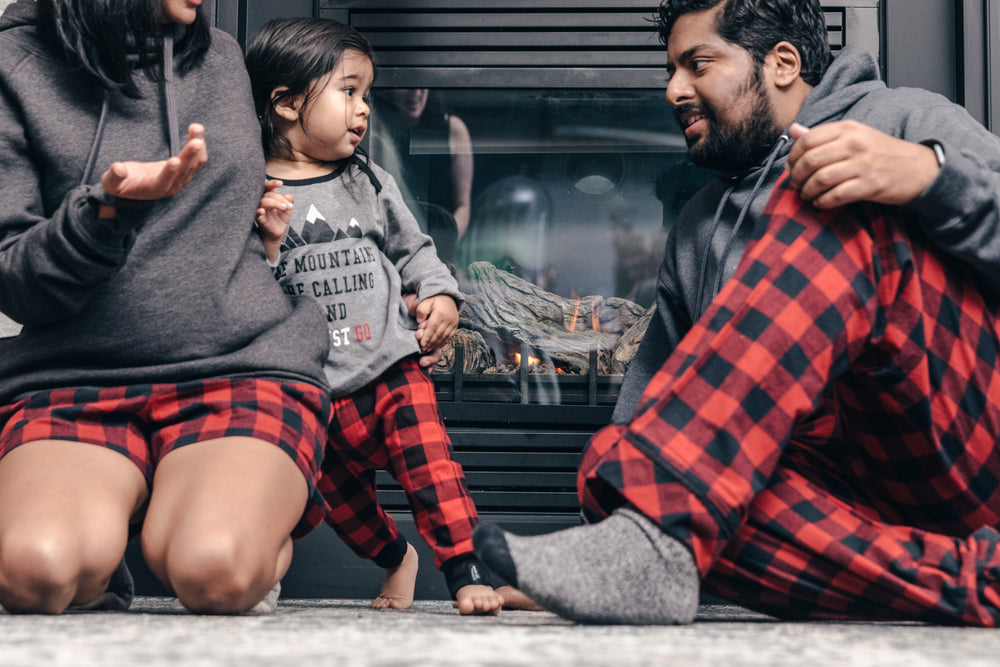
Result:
{"points": [[810, 426]]}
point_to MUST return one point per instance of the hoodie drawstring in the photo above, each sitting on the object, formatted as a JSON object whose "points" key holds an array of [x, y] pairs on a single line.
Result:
{"points": [[711, 234], [168, 92], [98, 138], [739, 220]]}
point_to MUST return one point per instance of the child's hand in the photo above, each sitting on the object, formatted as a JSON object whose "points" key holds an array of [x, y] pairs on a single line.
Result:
{"points": [[273, 217], [477, 599], [437, 321], [428, 358]]}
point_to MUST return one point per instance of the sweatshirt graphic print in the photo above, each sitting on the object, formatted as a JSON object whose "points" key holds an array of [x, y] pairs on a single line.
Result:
{"points": [[354, 248]]}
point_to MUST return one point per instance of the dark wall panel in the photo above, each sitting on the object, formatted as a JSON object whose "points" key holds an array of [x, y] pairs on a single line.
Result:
{"points": [[920, 45]]}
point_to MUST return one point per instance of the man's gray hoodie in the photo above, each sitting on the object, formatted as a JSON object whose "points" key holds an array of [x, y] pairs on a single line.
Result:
{"points": [[173, 290], [959, 212]]}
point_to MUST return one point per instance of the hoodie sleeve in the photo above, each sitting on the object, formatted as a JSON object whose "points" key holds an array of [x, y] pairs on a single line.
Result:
{"points": [[52, 262], [411, 251], [960, 210]]}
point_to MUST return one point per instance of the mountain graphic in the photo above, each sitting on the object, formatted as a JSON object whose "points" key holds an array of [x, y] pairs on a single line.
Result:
{"points": [[316, 229], [292, 240], [354, 229]]}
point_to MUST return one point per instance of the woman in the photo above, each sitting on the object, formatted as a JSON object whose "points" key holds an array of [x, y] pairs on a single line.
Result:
{"points": [[161, 385]]}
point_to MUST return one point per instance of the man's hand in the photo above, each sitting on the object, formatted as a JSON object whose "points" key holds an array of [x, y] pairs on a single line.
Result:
{"points": [[156, 180], [273, 217], [437, 321], [844, 162]]}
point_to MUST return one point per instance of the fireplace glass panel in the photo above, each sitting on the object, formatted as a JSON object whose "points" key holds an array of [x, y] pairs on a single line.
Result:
{"points": [[572, 195]]}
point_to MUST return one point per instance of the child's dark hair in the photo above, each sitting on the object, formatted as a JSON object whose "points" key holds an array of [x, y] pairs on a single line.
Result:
{"points": [[757, 25], [294, 53], [104, 38]]}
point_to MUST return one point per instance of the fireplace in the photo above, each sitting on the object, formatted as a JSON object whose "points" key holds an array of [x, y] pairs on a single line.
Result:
{"points": [[577, 172]]}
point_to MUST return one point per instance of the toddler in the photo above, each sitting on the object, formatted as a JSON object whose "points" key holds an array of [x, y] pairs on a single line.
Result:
{"points": [[350, 243]]}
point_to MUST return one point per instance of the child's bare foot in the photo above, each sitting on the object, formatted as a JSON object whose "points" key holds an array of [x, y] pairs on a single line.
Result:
{"points": [[477, 599], [515, 599], [399, 582]]}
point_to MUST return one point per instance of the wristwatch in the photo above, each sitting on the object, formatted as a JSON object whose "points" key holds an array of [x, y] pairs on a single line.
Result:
{"points": [[938, 149]]}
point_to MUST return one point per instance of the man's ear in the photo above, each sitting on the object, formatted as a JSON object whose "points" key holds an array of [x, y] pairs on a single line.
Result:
{"points": [[787, 64], [286, 107]]}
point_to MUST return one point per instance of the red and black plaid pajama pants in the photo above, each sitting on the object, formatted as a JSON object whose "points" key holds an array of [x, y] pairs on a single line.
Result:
{"points": [[825, 437], [393, 424]]}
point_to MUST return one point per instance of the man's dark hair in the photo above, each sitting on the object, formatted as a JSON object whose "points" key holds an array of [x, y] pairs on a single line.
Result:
{"points": [[757, 25], [295, 53], [110, 39]]}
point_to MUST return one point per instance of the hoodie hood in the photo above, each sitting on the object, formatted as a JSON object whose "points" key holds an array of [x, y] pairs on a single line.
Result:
{"points": [[21, 13], [852, 75]]}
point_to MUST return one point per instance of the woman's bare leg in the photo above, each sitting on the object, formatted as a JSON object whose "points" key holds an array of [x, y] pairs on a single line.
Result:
{"points": [[217, 531], [64, 515]]}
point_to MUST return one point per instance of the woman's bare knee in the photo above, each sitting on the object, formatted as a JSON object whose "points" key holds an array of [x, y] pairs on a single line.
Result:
{"points": [[45, 573], [219, 519], [64, 511], [36, 575], [215, 573]]}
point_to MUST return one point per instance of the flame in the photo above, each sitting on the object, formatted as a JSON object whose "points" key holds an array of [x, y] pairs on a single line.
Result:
{"points": [[531, 360], [576, 312], [595, 316]]}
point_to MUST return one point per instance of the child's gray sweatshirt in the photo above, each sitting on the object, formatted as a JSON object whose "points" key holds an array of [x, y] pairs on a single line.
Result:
{"points": [[355, 247]]}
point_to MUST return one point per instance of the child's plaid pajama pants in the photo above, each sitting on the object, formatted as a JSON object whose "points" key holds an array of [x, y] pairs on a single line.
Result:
{"points": [[393, 423], [825, 438]]}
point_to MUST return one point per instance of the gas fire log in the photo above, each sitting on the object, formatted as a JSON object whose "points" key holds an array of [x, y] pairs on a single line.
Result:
{"points": [[508, 312], [476, 354], [628, 344]]}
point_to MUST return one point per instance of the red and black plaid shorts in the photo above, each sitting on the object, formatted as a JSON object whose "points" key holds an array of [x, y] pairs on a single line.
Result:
{"points": [[146, 422]]}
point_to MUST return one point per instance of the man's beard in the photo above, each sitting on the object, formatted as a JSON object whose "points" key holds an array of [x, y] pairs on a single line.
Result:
{"points": [[736, 146]]}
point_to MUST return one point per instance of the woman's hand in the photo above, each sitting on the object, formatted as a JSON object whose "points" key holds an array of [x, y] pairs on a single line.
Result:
{"points": [[156, 180]]}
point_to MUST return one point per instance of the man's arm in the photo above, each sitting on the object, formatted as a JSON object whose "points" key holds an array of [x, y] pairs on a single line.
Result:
{"points": [[957, 204]]}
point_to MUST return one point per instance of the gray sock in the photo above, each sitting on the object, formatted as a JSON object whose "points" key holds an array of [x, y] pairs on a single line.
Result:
{"points": [[621, 570]]}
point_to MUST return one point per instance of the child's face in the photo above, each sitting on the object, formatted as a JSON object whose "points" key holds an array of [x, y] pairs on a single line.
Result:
{"points": [[336, 118]]}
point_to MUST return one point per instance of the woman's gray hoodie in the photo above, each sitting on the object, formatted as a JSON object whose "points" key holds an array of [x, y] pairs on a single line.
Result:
{"points": [[959, 212], [173, 290]]}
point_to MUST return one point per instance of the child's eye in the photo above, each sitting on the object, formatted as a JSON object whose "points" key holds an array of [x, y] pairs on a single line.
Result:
{"points": [[349, 91]]}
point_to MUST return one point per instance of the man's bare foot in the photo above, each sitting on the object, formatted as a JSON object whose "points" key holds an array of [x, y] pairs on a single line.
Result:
{"points": [[477, 599], [515, 599], [399, 582]]}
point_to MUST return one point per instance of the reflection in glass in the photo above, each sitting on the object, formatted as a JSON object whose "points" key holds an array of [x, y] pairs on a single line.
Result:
{"points": [[574, 192]]}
